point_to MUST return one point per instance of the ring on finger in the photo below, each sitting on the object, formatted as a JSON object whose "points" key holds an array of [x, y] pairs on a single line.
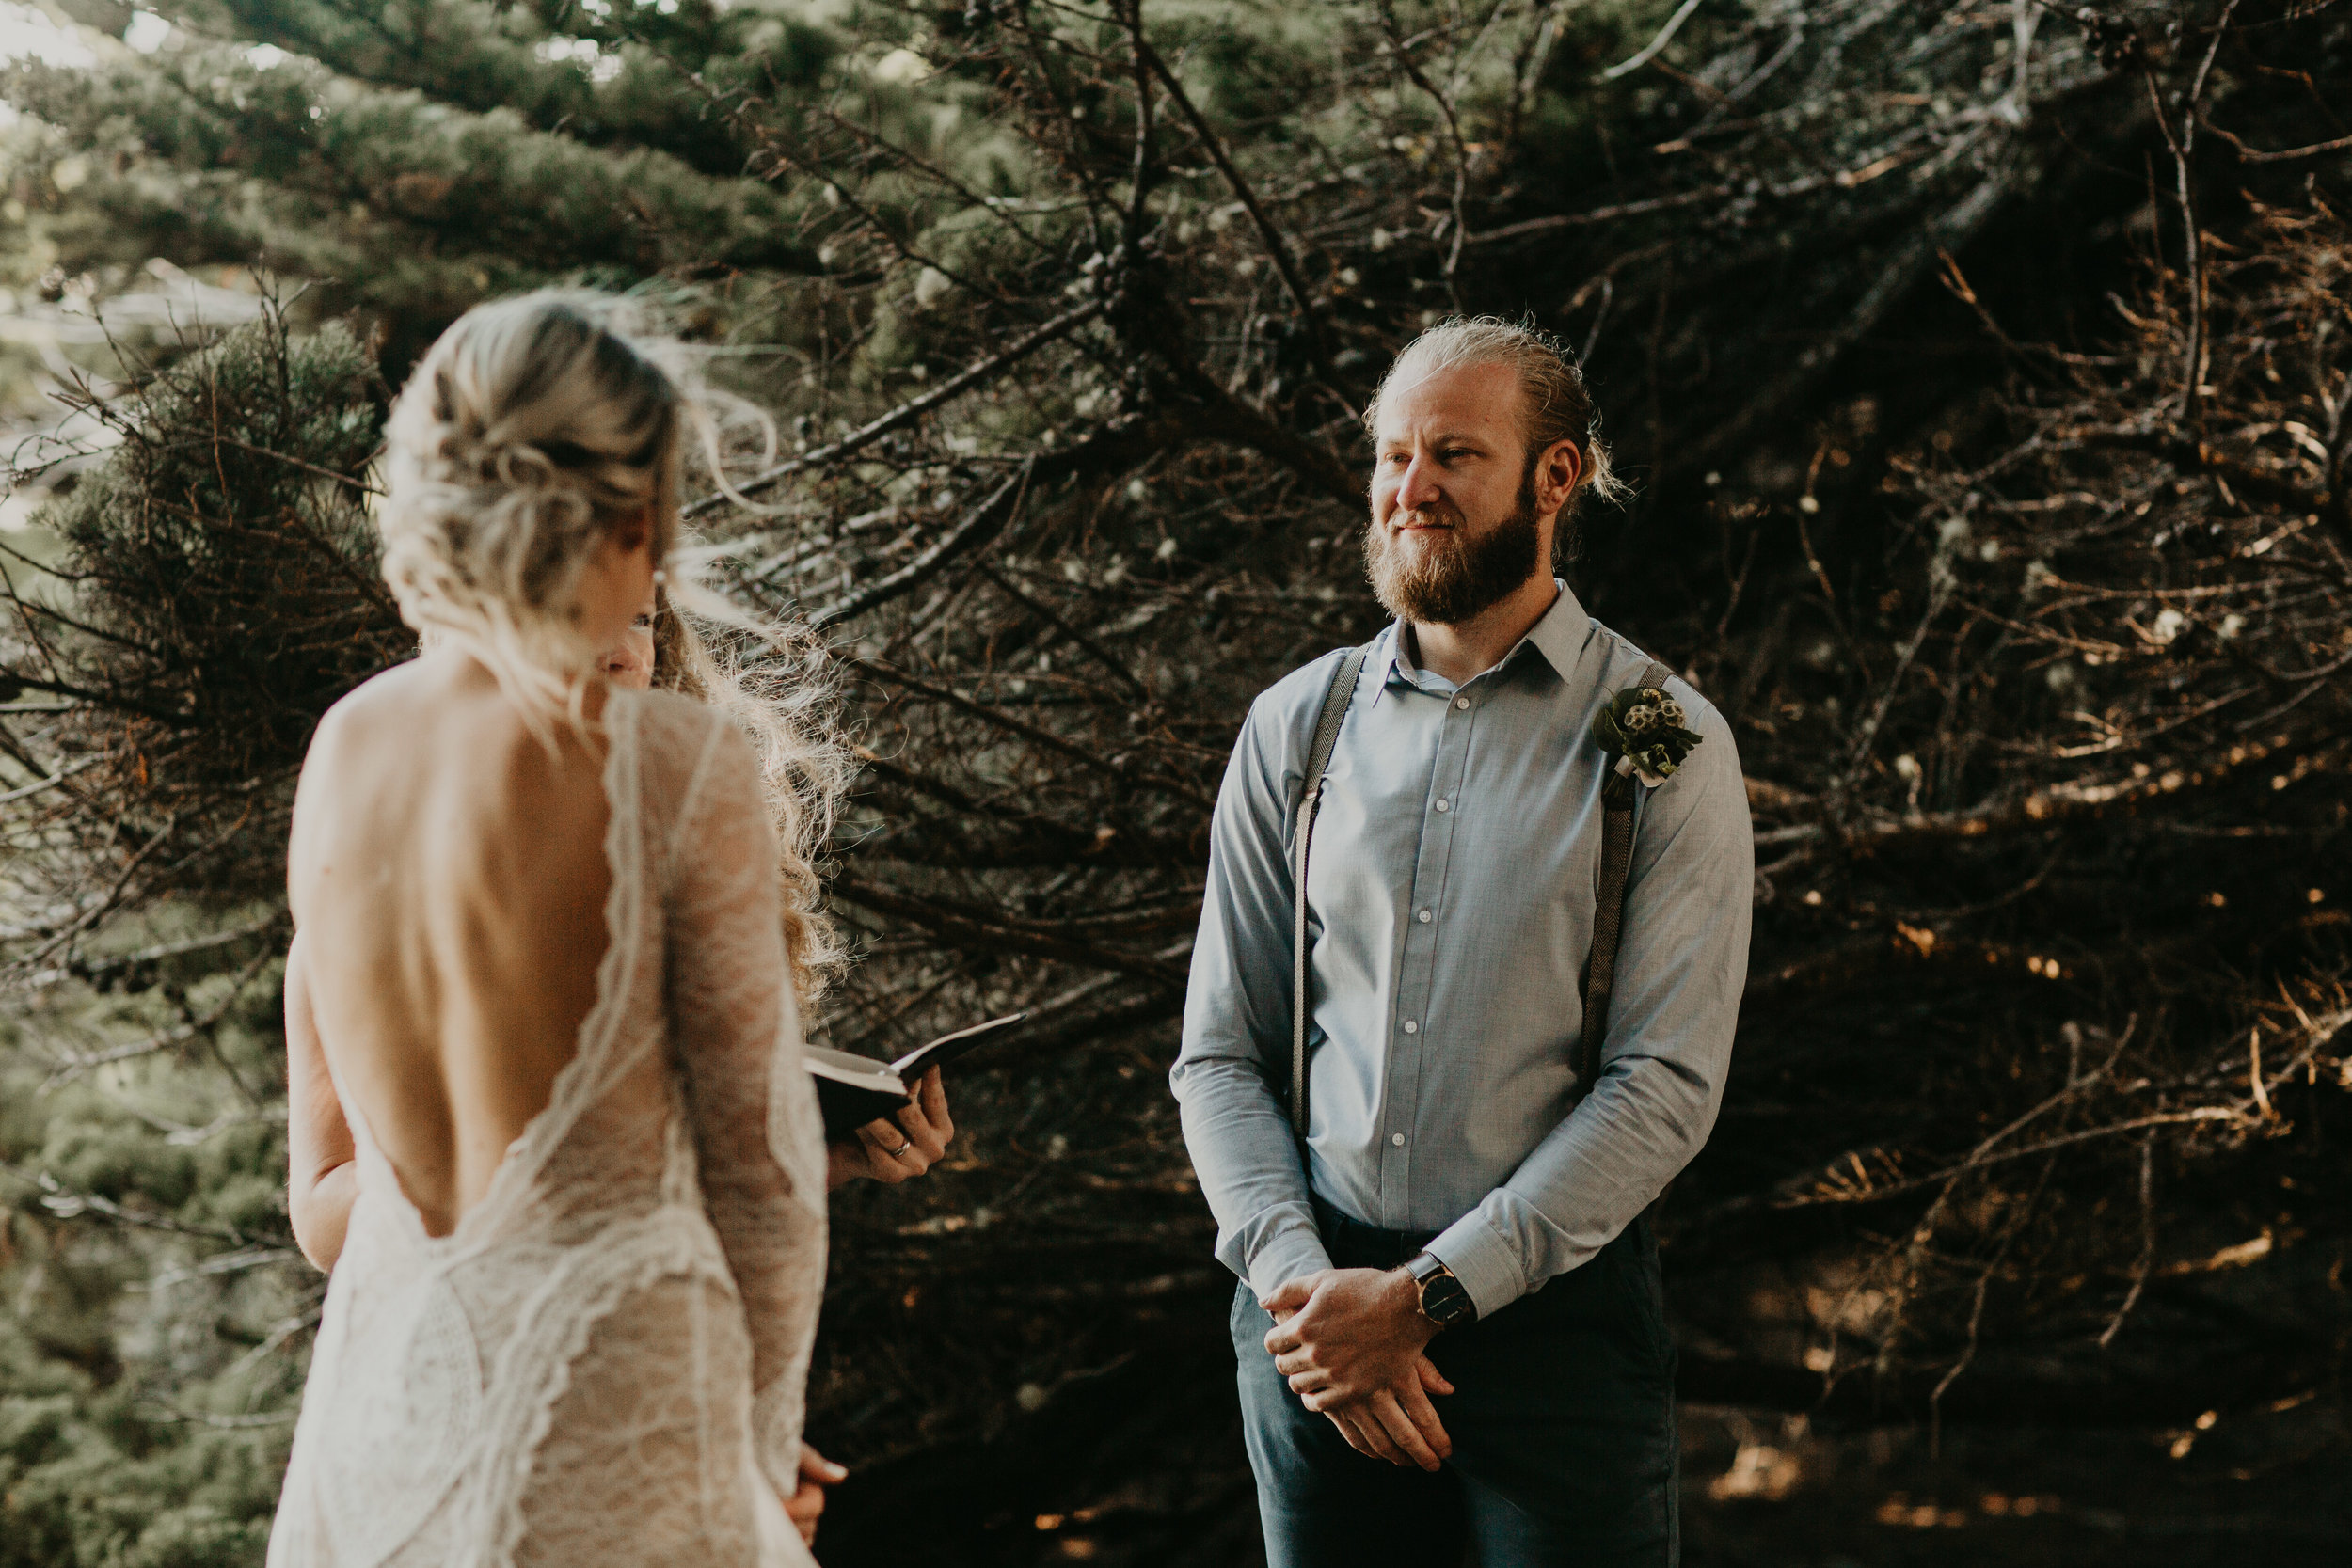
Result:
{"points": [[894, 1153]]}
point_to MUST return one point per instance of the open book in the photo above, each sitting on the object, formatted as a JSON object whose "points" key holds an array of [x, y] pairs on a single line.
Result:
{"points": [[852, 1091]]}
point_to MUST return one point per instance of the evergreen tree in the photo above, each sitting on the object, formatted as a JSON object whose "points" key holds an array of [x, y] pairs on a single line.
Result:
{"points": [[2025, 602]]}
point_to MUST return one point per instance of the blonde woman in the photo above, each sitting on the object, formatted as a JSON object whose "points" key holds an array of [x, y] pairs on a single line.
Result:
{"points": [[541, 954]]}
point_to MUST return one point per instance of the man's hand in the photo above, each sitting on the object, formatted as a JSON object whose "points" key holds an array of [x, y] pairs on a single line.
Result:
{"points": [[1350, 1342], [808, 1499], [890, 1151]]}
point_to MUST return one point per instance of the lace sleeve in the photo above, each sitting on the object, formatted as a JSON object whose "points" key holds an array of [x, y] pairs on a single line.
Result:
{"points": [[736, 1035]]}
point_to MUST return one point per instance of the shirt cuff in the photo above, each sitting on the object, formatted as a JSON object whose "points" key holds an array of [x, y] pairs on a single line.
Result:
{"points": [[1483, 1262], [1291, 1251]]}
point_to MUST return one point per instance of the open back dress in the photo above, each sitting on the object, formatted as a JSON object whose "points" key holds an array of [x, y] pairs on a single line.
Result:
{"points": [[603, 1363]]}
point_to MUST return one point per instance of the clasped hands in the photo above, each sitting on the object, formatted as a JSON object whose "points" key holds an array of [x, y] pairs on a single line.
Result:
{"points": [[1352, 1343]]}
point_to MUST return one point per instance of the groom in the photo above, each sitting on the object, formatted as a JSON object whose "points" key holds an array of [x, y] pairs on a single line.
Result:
{"points": [[1462, 1337]]}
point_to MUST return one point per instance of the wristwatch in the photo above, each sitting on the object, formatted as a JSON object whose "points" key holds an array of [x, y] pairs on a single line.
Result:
{"points": [[1443, 1300]]}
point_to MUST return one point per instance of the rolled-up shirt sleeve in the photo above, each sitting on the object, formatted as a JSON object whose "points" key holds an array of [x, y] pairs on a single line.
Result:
{"points": [[1237, 1021], [1681, 965]]}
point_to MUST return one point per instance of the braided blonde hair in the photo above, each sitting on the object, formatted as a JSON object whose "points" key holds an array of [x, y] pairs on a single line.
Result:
{"points": [[532, 428]]}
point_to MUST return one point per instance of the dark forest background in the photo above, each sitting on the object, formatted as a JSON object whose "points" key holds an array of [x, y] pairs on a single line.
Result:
{"points": [[1984, 374]]}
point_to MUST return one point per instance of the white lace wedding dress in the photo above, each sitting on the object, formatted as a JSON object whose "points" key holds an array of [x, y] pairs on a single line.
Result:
{"points": [[603, 1364]]}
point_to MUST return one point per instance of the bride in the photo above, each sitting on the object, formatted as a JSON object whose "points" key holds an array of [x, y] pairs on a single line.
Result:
{"points": [[541, 949]]}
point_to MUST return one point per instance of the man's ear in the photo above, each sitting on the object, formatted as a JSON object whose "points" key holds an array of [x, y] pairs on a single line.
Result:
{"points": [[1556, 474]]}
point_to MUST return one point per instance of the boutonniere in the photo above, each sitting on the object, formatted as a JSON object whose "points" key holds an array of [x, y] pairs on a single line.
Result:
{"points": [[1646, 731]]}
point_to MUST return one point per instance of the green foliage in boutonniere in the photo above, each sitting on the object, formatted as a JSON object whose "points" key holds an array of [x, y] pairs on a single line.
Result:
{"points": [[1646, 731]]}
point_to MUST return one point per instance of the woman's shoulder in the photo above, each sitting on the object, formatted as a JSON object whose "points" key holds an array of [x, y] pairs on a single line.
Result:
{"points": [[396, 716], [384, 694], [700, 796], [687, 747], [672, 723]]}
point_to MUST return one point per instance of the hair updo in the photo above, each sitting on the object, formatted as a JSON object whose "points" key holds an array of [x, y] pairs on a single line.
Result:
{"points": [[532, 428]]}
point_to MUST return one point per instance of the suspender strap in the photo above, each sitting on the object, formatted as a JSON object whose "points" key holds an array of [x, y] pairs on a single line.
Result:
{"points": [[1616, 858], [1336, 699]]}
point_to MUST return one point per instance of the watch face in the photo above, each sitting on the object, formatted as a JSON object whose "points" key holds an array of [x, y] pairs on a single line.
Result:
{"points": [[1443, 1300]]}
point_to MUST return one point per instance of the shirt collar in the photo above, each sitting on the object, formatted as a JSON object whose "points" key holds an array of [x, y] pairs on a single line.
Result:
{"points": [[1558, 635]]}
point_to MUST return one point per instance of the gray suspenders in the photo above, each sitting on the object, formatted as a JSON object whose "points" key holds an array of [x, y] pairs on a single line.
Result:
{"points": [[1616, 858], [1336, 699]]}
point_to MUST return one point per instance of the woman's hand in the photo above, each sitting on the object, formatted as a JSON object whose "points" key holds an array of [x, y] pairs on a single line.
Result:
{"points": [[808, 1500], [891, 1150]]}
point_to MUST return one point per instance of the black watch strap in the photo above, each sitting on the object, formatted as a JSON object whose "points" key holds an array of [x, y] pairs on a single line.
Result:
{"points": [[1444, 1301]]}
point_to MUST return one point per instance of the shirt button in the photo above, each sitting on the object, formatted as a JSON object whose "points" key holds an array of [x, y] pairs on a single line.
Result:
{"points": [[1442, 807], [1397, 1138], [1411, 1028], [1461, 702], [1424, 917]]}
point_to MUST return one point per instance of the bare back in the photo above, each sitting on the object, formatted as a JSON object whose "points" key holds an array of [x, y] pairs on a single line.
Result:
{"points": [[570, 1317], [447, 874]]}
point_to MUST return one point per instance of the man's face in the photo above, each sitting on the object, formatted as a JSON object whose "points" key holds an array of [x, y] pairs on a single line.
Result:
{"points": [[1455, 521]]}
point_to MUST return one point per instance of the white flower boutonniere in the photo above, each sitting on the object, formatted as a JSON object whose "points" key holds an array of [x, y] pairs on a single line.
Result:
{"points": [[1646, 731]]}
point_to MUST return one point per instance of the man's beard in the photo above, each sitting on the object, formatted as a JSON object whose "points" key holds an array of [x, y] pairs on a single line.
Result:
{"points": [[1462, 576]]}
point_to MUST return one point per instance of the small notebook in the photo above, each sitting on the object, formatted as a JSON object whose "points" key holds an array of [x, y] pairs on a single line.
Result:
{"points": [[852, 1091]]}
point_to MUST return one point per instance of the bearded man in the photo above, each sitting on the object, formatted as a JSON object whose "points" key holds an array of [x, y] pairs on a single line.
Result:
{"points": [[1450, 1327]]}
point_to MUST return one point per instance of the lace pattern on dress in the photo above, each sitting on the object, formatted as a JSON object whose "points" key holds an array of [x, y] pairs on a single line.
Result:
{"points": [[568, 1376]]}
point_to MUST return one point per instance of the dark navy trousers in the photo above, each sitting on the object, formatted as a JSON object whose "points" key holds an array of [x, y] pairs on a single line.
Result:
{"points": [[1562, 1421]]}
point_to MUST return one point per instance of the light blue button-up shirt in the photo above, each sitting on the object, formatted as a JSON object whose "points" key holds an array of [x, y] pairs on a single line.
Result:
{"points": [[1451, 892]]}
